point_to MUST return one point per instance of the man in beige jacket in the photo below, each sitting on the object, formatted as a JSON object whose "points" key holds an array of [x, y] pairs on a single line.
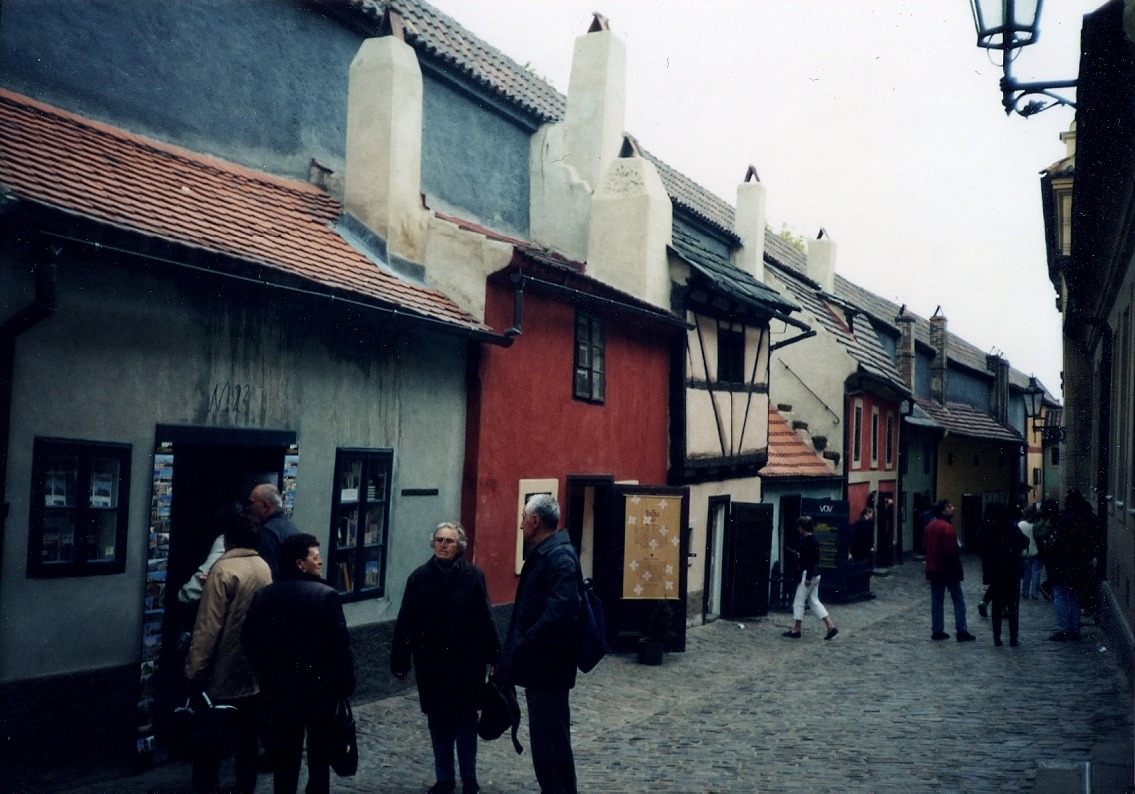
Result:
{"points": [[216, 662]]}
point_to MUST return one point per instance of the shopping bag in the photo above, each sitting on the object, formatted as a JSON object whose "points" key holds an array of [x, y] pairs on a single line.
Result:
{"points": [[343, 747]]}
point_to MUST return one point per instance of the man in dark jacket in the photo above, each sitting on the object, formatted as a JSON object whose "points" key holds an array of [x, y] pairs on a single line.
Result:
{"points": [[266, 508], [1071, 547], [296, 636], [445, 625], [944, 572], [539, 650]]}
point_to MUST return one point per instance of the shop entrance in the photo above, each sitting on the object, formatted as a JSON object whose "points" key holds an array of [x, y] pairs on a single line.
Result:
{"points": [[198, 473]]}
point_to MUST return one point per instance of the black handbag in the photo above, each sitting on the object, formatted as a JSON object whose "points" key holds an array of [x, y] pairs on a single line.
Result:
{"points": [[342, 744], [203, 729]]}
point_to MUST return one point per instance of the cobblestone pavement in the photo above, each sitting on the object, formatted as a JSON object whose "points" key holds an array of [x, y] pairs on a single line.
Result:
{"points": [[879, 708]]}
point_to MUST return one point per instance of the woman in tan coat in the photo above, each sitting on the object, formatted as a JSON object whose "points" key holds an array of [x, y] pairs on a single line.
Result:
{"points": [[216, 662]]}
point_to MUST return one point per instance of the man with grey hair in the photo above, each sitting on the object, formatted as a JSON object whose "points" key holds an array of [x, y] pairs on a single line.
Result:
{"points": [[539, 650], [266, 508]]}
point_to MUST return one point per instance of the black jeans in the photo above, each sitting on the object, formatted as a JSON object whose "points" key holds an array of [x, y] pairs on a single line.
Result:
{"points": [[549, 730], [289, 732], [1006, 598]]}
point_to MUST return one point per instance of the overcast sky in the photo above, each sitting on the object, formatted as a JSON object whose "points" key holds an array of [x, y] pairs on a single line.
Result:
{"points": [[879, 120]]}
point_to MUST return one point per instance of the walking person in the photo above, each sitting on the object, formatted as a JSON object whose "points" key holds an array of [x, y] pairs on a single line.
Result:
{"points": [[445, 628], [1071, 547], [296, 636], [862, 545], [1031, 567], [1002, 543], [944, 571], [808, 588], [216, 661], [539, 648]]}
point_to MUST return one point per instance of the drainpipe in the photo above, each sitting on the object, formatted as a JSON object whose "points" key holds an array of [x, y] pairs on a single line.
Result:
{"points": [[23, 320]]}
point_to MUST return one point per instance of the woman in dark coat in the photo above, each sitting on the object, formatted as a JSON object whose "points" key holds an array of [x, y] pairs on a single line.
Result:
{"points": [[445, 626], [1002, 543]]}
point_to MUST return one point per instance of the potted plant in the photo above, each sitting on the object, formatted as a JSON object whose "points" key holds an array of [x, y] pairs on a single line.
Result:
{"points": [[652, 645]]}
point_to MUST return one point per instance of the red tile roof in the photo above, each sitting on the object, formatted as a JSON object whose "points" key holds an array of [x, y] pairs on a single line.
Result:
{"points": [[60, 160], [789, 455]]}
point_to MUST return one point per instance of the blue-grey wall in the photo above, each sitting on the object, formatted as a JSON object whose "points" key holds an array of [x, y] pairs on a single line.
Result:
{"points": [[963, 386], [259, 82]]}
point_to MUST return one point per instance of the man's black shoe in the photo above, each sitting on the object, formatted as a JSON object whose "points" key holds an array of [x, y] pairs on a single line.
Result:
{"points": [[1060, 636], [965, 636], [939, 635], [981, 610]]}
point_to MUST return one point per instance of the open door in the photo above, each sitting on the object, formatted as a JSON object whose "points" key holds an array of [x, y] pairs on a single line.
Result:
{"points": [[746, 561], [640, 563]]}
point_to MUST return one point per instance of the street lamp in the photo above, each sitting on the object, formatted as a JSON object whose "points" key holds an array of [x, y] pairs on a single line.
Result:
{"points": [[1034, 399], [1006, 25]]}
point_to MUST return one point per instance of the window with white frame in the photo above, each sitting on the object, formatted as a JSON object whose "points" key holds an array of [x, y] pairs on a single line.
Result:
{"points": [[890, 448], [857, 434], [874, 438]]}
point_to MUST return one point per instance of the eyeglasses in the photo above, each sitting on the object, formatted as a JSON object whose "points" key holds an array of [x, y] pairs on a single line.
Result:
{"points": [[445, 541]]}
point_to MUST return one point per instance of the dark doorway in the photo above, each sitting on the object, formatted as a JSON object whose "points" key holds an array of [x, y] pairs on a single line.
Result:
{"points": [[747, 554], [971, 520], [212, 468], [923, 505]]}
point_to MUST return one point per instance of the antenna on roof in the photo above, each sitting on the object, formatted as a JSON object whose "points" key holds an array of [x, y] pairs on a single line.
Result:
{"points": [[391, 24], [598, 23], [751, 174]]}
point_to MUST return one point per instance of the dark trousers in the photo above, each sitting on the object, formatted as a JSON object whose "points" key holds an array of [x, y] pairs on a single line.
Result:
{"points": [[1006, 598], [289, 732], [207, 766], [447, 731], [549, 730]]}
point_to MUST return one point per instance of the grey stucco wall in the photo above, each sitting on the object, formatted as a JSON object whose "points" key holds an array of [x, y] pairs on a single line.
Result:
{"points": [[259, 82], [128, 350]]}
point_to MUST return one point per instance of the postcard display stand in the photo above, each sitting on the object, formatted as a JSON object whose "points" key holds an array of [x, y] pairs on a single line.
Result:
{"points": [[154, 597]]}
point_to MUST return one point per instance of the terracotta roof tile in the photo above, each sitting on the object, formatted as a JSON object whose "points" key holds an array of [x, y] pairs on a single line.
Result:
{"points": [[789, 455], [63, 161]]}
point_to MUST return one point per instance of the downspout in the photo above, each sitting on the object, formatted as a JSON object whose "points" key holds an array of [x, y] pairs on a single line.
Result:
{"points": [[23, 320]]}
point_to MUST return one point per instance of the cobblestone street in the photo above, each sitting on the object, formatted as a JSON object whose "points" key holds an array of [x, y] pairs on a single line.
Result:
{"points": [[879, 708]]}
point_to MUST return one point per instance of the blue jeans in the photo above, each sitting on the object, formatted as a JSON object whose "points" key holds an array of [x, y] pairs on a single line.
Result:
{"points": [[938, 597], [1030, 579], [447, 730], [1067, 608]]}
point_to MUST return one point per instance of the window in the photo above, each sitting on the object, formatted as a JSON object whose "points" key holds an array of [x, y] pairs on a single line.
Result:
{"points": [[874, 438], [1054, 456], [590, 358], [890, 451], [78, 516], [730, 355], [360, 508], [857, 434]]}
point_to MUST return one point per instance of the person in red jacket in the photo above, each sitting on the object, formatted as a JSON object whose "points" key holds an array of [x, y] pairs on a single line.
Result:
{"points": [[944, 572]]}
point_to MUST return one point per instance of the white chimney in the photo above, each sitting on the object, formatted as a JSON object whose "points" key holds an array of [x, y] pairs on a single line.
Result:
{"points": [[382, 180], [568, 158], [749, 224], [821, 261], [596, 102], [631, 224]]}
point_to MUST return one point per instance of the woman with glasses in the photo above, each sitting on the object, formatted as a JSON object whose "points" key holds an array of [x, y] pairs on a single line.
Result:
{"points": [[445, 628]]}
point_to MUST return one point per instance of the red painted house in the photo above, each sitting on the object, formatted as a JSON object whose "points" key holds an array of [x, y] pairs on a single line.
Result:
{"points": [[578, 403]]}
